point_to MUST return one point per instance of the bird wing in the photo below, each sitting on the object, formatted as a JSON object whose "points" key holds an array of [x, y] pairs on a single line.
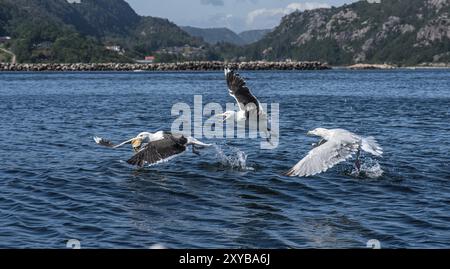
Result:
{"points": [[159, 151], [370, 145], [322, 158], [239, 90], [104, 142]]}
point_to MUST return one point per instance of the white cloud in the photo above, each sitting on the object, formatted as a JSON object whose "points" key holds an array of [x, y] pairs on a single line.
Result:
{"points": [[268, 18], [306, 6]]}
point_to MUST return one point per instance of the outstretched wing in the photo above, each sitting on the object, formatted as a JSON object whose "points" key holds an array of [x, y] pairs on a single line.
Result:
{"points": [[159, 151], [370, 145], [322, 158], [103, 142], [239, 90]]}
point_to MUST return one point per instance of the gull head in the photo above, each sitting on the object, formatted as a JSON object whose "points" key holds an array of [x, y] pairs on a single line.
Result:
{"points": [[319, 132], [136, 142], [144, 135]]}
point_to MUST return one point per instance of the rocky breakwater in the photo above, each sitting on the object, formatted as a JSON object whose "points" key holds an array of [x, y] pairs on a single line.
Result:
{"points": [[182, 66], [370, 66]]}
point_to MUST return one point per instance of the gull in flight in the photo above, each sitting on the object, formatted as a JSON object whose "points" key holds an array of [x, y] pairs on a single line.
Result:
{"points": [[335, 146], [246, 101], [155, 148]]}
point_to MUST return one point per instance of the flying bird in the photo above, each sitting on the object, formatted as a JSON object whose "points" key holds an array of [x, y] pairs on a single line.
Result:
{"points": [[335, 146], [155, 148], [245, 99], [247, 103]]}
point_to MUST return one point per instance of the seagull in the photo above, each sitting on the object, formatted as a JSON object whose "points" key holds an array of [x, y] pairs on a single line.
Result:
{"points": [[335, 146], [155, 148], [245, 99], [247, 102]]}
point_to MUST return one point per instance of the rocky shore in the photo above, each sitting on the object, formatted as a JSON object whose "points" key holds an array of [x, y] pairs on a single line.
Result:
{"points": [[182, 66]]}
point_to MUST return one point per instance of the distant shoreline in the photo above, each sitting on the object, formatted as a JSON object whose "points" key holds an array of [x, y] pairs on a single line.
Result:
{"points": [[390, 67], [201, 66], [182, 66]]}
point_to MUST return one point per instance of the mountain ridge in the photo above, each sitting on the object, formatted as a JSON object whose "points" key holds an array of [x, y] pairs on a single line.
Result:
{"points": [[225, 35], [396, 31], [401, 32], [252, 36]]}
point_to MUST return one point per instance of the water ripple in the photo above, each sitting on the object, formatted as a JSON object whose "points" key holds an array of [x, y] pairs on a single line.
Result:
{"points": [[55, 184]]}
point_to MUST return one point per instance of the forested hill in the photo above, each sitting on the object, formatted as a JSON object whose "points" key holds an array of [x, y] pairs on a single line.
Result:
{"points": [[393, 31], [79, 31]]}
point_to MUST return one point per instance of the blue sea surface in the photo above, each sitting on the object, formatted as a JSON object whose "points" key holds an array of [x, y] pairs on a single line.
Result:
{"points": [[56, 184]]}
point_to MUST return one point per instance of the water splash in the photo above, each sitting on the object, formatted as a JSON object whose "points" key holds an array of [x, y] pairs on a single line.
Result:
{"points": [[234, 158], [370, 168]]}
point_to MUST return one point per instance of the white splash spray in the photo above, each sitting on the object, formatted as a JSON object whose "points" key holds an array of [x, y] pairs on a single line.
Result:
{"points": [[370, 168], [235, 158]]}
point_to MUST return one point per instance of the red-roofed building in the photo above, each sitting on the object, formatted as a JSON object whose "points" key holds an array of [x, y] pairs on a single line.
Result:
{"points": [[150, 58]]}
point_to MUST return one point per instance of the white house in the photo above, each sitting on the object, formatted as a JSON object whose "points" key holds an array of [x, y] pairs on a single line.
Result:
{"points": [[3, 39]]}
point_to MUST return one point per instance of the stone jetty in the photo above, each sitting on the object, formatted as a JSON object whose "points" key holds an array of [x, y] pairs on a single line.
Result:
{"points": [[370, 66], [181, 66]]}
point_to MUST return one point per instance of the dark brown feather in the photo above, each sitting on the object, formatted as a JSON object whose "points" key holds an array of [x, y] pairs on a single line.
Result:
{"points": [[160, 150], [238, 88], [105, 143]]}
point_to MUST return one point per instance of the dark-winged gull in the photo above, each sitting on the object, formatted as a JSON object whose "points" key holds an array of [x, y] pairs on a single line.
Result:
{"points": [[336, 146], [247, 103], [155, 148]]}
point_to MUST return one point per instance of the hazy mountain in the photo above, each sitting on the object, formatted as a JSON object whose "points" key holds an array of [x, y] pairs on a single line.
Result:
{"points": [[225, 35], [396, 31], [214, 35], [253, 36]]}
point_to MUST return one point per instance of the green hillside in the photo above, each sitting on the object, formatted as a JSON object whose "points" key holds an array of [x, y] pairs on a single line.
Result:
{"points": [[59, 31]]}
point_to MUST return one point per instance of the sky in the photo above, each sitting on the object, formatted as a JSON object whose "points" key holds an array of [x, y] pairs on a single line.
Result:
{"points": [[237, 15]]}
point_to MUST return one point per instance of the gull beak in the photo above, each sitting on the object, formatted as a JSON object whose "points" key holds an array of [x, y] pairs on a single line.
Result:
{"points": [[136, 144], [310, 133]]}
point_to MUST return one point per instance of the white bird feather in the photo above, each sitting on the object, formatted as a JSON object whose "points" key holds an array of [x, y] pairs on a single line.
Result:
{"points": [[340, 146]]}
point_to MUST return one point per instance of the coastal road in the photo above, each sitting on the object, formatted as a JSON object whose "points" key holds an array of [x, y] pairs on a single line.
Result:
{"points": [[13, 59]]}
